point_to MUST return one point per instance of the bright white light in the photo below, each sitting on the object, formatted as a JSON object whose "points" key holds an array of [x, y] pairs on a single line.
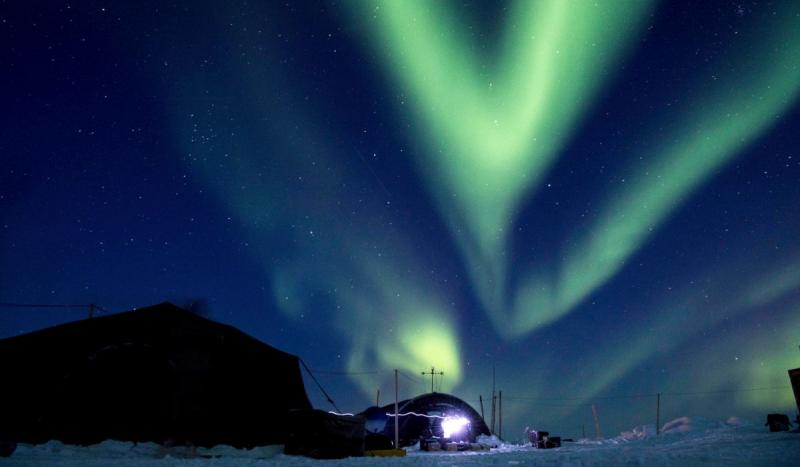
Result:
{"points": [[453, 425]]}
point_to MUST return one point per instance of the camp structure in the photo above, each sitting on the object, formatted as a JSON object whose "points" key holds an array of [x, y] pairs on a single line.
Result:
{"points": [[159, 374], [427, 416]]}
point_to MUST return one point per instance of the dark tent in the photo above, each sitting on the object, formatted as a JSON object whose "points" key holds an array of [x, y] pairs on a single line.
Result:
{"points": [[422, 416], [159, 374]]}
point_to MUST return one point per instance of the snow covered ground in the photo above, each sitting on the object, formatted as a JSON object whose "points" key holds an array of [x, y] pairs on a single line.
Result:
{"points": [[684, 441]]}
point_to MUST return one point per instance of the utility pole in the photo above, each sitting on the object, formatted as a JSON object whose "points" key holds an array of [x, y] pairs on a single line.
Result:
{"points": [[378, 398], [494, 399], [432, 373], [658, 413], [596, 422], [500, 415], [396, 415]]}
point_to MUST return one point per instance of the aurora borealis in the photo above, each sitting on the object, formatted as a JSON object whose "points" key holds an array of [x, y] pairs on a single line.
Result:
{"points": [[513, 117], [597, 199]]}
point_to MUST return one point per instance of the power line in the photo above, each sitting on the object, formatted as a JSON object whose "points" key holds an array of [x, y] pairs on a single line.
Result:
{"points": [[93, 308], [418, 385], [723, 391], [319, 385], [646, 395], [344, 373], [411, 378], [546, 399], [39, 305], [552, 405]]}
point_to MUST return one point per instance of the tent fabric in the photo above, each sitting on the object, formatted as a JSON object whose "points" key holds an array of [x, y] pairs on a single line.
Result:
{"points": [[159, 374], [325, 435], [413, 427]]}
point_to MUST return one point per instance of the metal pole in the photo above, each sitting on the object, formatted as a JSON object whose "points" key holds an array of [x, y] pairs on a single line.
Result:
{"points": [[494, 399], [396, 421], [500, 415], [494, 412], [432, 373], [596, 422], [658, 413], [480, 398]]}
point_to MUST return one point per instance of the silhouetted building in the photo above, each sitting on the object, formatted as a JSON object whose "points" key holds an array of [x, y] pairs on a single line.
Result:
{"points": [[159, 374]]}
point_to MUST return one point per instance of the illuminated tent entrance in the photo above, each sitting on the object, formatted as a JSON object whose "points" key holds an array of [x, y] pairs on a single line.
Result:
{"points": [[427, 416], [159, 374]]}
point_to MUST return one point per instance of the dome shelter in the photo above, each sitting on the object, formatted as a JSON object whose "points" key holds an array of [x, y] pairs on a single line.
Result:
{"points": [[431, 415], [376, 419]]}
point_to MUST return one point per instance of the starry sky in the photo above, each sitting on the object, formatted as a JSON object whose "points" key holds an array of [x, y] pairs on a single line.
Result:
{"points": [[599, 201]]}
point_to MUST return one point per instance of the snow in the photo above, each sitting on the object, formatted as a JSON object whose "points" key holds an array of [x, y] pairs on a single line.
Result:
{"points": [[683, 441]]}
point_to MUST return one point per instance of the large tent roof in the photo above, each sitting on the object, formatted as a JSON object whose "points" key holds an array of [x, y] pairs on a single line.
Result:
{"points": [[151, 374]]}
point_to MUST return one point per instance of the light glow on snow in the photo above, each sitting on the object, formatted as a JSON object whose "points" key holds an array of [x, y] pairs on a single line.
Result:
{"points": [[684, 441], [453, 425]]}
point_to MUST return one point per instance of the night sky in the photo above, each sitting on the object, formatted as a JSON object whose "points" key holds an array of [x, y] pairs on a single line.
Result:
{"points": [[600, 200]]}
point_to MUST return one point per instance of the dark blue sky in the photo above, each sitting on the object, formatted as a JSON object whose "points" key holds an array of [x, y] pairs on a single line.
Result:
{"points": [[315, 173]]}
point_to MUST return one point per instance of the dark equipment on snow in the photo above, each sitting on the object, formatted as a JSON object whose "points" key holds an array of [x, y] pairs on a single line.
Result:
{"points": [[160, 374], [794, 377], [377, 442], [323, 435], [7, 448], [778, 422], [543, 440]]}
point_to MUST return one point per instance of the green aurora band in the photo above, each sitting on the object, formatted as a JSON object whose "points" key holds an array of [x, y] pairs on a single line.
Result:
{"points": [[490, 139], [731, 115], [683, 320], [374, 281], [389, 313], [493, 132], [712, 303]]}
